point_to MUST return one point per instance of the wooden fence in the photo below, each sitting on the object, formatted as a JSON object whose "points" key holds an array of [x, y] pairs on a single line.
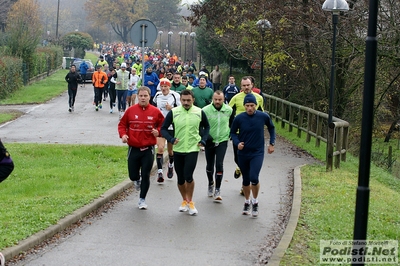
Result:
{"points": [[314, 124]]}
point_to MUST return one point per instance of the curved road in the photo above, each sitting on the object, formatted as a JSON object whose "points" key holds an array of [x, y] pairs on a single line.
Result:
{"points": [[124, 235]]}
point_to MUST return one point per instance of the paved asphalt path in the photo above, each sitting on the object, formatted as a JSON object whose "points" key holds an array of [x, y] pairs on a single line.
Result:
{"points": [[124, 235]]}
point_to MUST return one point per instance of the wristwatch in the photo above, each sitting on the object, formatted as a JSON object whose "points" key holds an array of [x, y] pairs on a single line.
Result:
{"points": [[272, 144]]}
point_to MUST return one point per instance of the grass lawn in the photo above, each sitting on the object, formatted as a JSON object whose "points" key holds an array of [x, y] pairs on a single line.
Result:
{"points": [[328, 205], [40, 91], [51, 181]]}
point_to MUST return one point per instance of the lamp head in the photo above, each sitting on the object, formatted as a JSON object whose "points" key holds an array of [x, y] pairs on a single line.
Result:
{"points": [[335, 5], [263, 24]]}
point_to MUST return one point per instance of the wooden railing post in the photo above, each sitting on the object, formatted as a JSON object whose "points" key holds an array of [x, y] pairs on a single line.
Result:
{"points": [[345, 143], [300, 123], [329, 147], [339, 139]]}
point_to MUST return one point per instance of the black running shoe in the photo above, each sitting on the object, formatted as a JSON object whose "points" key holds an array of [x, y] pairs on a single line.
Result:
{"points": [[254, 211], [160, 178], [170, 172], [246, 209]]}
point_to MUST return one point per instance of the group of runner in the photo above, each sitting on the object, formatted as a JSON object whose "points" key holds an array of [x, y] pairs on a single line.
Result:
{"points": [[187, 114], [190, 120]]}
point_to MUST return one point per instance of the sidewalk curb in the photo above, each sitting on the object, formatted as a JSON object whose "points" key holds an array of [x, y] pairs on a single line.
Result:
{"points": [[70, 219], [279, 251]]}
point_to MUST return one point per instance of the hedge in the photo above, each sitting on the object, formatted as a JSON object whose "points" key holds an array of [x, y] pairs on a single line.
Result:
{"points": [[14, 73]]}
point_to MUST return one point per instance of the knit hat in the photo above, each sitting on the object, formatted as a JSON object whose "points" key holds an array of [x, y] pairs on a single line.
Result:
{"points": [[165, 81], [250, 98]]}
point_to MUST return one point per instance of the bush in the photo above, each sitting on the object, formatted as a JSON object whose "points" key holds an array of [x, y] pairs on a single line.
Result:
{"points": [[44, 60], [14, 72], [10, 75]]}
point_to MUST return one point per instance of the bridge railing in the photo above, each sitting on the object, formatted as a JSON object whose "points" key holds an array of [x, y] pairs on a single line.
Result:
{"points": [[314, 124]]}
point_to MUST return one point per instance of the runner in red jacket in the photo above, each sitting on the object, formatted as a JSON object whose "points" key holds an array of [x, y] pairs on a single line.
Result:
{"points": [[139, 127]]}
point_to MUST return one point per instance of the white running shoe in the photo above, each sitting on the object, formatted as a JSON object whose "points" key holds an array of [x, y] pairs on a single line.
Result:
{"points": [[192, 208], [217, 195], [184, 206], [137, 184], [210, 191], [142, 204]]}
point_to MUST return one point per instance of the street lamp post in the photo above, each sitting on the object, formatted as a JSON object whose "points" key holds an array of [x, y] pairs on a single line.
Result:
{"points": [[334, 6], [185, 34], [169, 41], [160, 33], [58, 14], [180, 43], [192, 36], [262, 25]]}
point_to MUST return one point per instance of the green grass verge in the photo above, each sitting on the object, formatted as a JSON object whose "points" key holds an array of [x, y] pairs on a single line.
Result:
{"points": [[43, 90], [7, 116], [40, 91], [51, 181], [328, 205]]}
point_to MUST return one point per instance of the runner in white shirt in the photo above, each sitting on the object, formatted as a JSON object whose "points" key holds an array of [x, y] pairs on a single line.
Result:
{"points": [[132, 90], [165, 100]]}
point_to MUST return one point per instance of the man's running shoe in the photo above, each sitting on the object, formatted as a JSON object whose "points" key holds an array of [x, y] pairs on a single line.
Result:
{"points": [[241, 192], [210, 191], [254, 211], [111, 111], [217, 195], [246, 209], [142, 204], [160, 178], [170, 172], [137, 184], [97, 108], [192, 208], [70, 110], [100, 105], [237, 173], [184, 206]]}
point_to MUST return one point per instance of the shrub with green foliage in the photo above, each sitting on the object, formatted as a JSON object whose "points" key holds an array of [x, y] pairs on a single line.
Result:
{"points": [[45, 59], [12, 72], [10, 75], [78, 40]]}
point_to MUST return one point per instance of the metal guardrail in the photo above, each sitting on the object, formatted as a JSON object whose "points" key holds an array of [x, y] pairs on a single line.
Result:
{"points": [[314, 124]]}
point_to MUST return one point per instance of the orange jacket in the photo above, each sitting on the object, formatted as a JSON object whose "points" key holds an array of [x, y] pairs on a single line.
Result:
{"points": [[99, 79]]}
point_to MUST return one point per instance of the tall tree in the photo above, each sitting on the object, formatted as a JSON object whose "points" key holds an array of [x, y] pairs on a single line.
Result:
{"points": [[120, 14], [24, 29], [163, 13]]}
